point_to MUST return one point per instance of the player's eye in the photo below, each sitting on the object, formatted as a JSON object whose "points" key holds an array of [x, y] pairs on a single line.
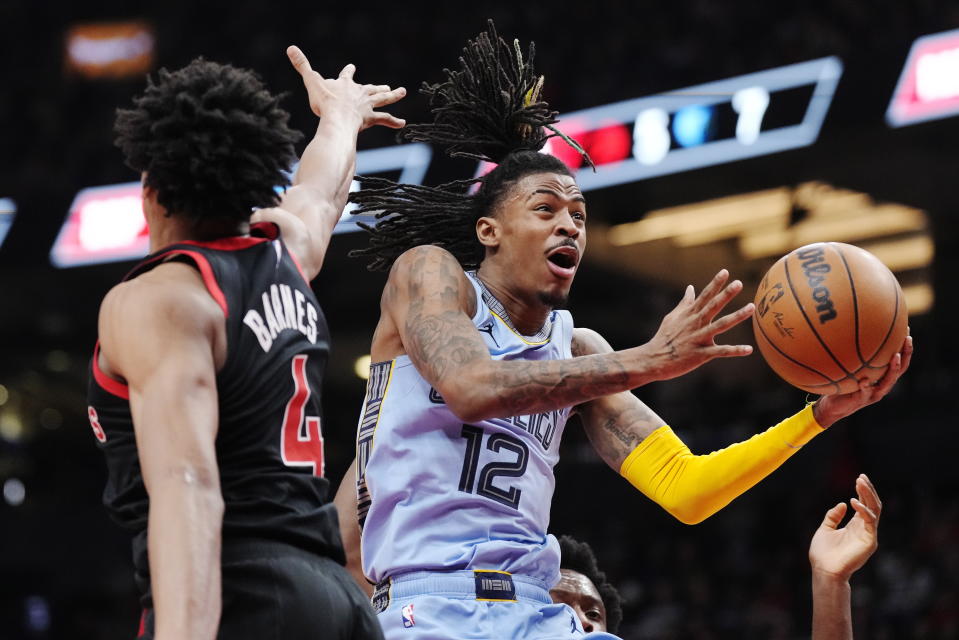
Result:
{"points": [[578, 215], [543, 207], [594, 615]]}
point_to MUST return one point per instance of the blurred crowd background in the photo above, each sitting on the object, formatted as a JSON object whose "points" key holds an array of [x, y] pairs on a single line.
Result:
{"points": [[65, 569]]}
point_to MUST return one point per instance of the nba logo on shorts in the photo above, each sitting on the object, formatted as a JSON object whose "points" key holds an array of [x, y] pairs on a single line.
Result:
{"points": [[408, 616]]}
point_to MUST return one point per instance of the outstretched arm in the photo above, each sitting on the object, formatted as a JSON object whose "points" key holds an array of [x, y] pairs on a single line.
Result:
{"points": [[429, 300], [636, 442], [835, 554], [158, 332], [310, 209]]}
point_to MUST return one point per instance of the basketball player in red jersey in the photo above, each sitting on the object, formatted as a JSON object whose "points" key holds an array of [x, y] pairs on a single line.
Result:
{"points": [[205, 383]]}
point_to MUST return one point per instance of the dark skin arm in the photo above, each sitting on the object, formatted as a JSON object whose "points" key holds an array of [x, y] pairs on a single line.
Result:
{"points": [[345, 502], [164, 335], [310, 209], [426, 313]]}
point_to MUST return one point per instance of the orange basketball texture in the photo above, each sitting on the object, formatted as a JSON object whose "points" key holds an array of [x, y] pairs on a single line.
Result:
{"points": [[829, 315]]}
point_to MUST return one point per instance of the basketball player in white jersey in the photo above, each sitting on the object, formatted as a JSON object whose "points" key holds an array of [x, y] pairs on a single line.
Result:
{"points": [[476, 372]]}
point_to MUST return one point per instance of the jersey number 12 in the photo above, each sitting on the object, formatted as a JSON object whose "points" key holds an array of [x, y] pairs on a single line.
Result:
{"points": [[485, 487]]}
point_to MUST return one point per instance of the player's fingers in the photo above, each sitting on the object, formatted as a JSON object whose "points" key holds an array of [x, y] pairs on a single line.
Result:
{"points": [[720, 300], [868, 495], [869, 518], [298, 59], [834, 516], [860, 507], [906, 353], [729, 350], [372, 89], [348, 71], [386, 120], [888, 379], [711, 289], [388, 97], [729, 320]]}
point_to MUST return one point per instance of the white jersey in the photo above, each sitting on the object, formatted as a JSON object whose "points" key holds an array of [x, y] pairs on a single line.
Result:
{"points": [[436, 494]]}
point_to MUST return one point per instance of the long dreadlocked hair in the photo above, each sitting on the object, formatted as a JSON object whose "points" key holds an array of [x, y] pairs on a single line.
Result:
{"points": [[489, 110]]}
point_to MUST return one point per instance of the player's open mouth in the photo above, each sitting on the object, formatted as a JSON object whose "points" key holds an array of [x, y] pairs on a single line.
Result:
{"points": [[562, 261]]}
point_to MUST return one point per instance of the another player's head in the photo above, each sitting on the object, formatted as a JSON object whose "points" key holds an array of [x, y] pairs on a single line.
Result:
{"points": [[584, 587], [527, 216], [210, 142]]}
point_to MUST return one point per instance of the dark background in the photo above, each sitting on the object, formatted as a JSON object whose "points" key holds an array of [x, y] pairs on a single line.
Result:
{"points": [[65, 568]]}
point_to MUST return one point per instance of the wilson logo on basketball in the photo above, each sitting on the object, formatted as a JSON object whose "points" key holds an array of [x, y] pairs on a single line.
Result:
{"points": [[815, 268]]}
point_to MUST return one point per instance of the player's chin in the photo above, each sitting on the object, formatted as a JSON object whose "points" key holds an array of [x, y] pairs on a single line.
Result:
{"points": [[554, 297]]}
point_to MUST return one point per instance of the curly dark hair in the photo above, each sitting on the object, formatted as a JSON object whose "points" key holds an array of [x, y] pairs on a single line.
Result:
{"points": [[212, 140], [490, 109], [579, 557]]}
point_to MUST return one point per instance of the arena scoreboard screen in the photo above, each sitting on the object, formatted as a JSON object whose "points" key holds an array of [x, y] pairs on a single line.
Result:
{"points": [[928, 87], [709, 124], [8, 210]]}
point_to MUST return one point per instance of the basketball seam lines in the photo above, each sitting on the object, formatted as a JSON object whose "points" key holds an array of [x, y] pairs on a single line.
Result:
{"points": [[811, 327], [892, 325], [855, 303], [793, 360]]}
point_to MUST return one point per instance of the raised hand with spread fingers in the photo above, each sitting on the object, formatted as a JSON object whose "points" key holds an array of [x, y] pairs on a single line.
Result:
{"points": [[835, 553], [311, 208]]}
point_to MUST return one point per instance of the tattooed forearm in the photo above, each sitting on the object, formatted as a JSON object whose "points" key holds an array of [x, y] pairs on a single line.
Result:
{"points": [[529, 387], [447, 350], [616, 425]]}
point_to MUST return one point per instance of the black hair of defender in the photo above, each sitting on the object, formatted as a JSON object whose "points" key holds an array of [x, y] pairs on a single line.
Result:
{"points": [[212, 140], [579, 557]]}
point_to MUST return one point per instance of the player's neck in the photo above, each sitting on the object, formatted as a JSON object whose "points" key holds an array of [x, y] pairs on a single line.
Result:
{"points": [[527, 313], [178, 228]]}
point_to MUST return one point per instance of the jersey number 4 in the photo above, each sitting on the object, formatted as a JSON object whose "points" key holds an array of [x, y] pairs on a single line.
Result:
{"points": [[301, 439], [485, 487]]}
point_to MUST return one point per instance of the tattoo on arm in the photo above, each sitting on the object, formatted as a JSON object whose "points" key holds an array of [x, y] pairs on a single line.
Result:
{"points": [[617, 424], [438, 342], [444, 345]]}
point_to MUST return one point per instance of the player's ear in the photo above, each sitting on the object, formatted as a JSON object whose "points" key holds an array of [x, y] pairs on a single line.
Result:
{"points": [[148, 192], [489, 231]]}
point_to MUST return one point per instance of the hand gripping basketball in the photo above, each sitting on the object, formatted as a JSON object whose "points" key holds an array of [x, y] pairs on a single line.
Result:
{"points": [[829, 409], [686, 338]]}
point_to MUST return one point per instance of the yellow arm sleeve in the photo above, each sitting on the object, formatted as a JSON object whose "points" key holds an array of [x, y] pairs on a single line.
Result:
{"points": [[691, 487]]}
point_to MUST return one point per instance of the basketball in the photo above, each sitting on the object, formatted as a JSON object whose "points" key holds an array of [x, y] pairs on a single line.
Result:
{"points": [[829, 315]]}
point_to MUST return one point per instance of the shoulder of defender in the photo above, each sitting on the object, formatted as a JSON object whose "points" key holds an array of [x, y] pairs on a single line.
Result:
{"points": [[587, 342], [170, 293]]}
